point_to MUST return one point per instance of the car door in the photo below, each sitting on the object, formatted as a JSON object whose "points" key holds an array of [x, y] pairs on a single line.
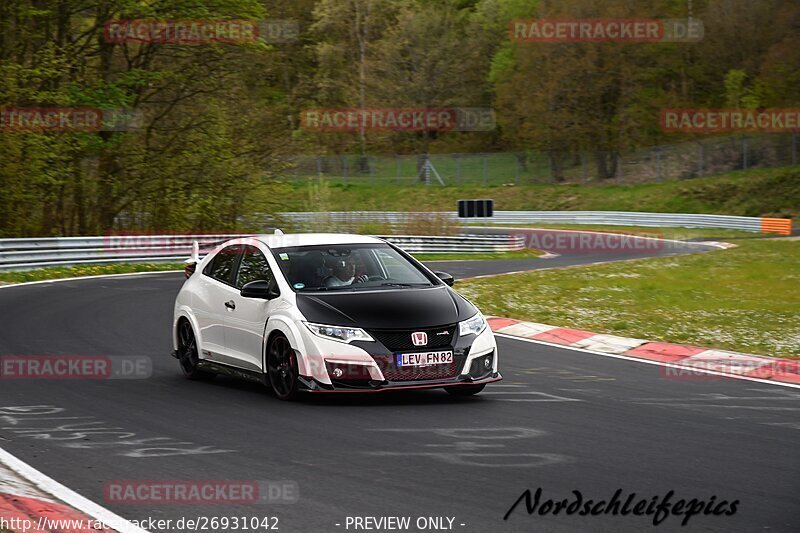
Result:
{"points": [[212, 302], [244, 325]]}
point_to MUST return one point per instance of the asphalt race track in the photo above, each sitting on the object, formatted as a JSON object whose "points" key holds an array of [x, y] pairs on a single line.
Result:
{"points": [[561, 420]]}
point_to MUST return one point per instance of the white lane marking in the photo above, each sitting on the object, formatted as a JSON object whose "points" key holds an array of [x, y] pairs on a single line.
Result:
{"points": [[68, 496], [466, 446], [80, 434], [470, 453], [779, 392], [79, 278], [718, 398], [473, 433], [545, 397], [481, 459], [649, 362], [705, 405], [530, 400], [791, 425]]}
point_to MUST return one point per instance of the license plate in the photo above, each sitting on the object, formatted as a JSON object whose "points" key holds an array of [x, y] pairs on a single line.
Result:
{"points": [[424, 359]]}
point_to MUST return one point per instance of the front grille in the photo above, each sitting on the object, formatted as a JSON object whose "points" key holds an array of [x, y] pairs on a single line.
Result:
{"points": [[392, 372], [399, 340]]}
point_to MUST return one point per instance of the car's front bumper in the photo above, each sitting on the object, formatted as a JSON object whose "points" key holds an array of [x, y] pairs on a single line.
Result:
{"points": [[371, 365], [314, 386]]}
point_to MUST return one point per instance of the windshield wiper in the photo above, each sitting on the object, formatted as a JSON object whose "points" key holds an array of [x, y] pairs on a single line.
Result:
{"points": [[397, 284]]}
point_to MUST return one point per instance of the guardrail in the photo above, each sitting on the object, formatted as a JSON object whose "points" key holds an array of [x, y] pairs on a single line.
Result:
{"points": [[457, 244], [29, 253], [611, 218]]}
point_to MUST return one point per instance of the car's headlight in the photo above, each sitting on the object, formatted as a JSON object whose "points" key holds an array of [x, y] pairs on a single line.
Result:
{"points": [[338, 333], [472, 326]]}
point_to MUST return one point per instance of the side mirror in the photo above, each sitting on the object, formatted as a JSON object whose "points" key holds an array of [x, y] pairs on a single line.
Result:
{"points": [[189, 269], [260, 289], [447, 278]]}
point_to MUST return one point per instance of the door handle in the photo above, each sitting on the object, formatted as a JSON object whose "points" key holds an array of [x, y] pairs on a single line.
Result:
{"points": [[230, 304]]}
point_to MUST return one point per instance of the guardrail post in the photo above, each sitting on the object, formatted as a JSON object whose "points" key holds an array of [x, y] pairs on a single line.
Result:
{"points": [[516, 169], [794, 147], [319, 166], [458, 168], [485, 171]]}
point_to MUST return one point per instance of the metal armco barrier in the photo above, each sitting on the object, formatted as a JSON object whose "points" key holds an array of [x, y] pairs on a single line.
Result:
{"points": [[782, 226], [611, 218], [457, 244], [29, 253]]}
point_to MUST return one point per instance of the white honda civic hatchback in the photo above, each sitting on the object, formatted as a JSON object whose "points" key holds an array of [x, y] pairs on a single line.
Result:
{"points": [[325, 313]]}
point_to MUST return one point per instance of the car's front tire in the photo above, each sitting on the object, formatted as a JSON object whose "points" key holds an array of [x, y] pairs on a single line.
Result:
{"points": [[281, 368], [465, 390], [188, 353]]}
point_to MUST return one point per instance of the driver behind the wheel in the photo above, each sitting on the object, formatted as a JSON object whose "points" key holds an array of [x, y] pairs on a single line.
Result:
{"points": [[344, 273]]}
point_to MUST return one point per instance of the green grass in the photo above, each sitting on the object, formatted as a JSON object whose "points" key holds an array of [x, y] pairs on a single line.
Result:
{"points": [[84, 270], [760, 192], [743, 299]]}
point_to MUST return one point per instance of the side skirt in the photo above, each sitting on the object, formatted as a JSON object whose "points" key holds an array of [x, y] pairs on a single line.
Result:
{"points": [[228, 370]]}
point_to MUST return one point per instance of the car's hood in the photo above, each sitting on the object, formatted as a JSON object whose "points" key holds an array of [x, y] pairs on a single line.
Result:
{"points": [[386, 309]]}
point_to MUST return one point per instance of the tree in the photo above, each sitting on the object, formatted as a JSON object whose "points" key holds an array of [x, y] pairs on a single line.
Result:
{"points": [[347, 31], [207, 130]]}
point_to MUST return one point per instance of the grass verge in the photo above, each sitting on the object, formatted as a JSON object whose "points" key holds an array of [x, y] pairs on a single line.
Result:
{"points": [[759, 192], [42, 274], [743, 299]]}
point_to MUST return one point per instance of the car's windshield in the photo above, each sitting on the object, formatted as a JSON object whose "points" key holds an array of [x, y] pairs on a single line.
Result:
{"points": [[348, 267]]}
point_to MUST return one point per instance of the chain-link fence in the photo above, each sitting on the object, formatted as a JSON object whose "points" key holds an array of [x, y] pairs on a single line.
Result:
{"points": [[678, 161]]}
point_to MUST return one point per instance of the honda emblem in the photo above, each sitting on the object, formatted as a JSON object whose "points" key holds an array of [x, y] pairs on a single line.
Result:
{"points": [[419, 338]]}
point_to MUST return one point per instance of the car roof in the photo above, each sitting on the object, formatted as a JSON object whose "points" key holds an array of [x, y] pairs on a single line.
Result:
{"points": [[311, 239]]}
